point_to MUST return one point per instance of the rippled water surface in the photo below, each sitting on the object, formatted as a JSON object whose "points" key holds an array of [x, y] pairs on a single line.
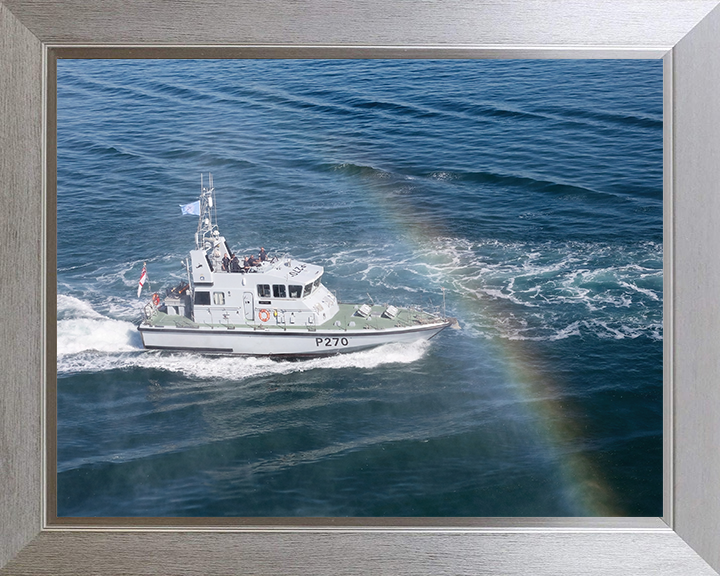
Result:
{"points": [[527, 193]]}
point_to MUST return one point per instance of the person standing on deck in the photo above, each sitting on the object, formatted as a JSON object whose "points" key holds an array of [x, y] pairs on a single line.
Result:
{"points": [[234, 264]]}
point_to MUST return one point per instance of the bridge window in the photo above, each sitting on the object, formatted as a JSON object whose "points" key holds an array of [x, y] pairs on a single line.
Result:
{"points": [[202, 298], [263, 290], [279, 291], [308, 289], [295, 291], [317, 282]]}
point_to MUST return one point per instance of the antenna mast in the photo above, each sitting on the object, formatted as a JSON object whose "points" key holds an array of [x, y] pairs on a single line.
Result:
{"points": [[207, 223]]}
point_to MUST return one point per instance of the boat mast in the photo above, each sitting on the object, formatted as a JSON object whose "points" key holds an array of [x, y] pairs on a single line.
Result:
{"points": [[207, 223]]}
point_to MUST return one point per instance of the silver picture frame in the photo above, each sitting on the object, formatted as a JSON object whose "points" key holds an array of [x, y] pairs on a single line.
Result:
{"points": [[684, 33]]}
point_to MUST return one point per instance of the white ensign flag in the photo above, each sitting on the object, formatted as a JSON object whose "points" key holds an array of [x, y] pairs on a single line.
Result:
{"points": [[143, 279]]}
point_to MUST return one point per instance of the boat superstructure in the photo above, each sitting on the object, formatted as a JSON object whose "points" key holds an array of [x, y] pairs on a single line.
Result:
{"points": [[275, 306]]}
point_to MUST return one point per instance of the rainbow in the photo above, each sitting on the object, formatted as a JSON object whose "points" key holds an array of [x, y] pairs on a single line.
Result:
{"points": [[553, 416]]}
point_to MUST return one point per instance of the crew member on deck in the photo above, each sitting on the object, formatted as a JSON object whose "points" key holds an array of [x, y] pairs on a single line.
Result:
{"points": [[263, 255], [234, 264], [226, 263], [253, 261]]}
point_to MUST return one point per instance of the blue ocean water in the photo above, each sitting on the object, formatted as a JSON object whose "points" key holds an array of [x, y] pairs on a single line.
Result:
{"points": [[526, 194]]}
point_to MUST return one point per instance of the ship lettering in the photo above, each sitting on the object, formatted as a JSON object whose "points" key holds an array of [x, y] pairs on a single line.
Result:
{"points": [[331, 342]]}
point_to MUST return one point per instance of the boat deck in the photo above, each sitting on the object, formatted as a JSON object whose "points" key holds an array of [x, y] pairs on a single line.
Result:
{"points": [[346, 320]]}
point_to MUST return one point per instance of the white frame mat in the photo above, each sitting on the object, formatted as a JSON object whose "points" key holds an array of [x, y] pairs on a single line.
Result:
{"points": [[684, 33]]}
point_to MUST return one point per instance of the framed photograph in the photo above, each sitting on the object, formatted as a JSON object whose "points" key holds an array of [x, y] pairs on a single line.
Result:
{"points": [[666, 266]]}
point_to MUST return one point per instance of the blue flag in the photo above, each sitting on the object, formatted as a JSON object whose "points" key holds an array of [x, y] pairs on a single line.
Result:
{"points": [[193, 208]]}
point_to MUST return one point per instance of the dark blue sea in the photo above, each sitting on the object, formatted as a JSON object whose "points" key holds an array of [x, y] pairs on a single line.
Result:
{"points": [[527, 193]]}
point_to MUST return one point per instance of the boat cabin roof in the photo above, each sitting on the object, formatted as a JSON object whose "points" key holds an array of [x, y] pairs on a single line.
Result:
{"points": [[285, 270], [290, 271]]}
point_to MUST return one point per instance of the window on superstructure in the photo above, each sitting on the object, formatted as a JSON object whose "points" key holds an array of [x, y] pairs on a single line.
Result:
{"points": [[202, 298], [317, 282], [279, 291], [263, 290], [219, 298], [308, 289], [295, 291]]}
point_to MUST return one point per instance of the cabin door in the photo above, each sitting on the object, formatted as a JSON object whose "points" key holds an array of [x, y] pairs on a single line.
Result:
{"points": [[249, 306]]}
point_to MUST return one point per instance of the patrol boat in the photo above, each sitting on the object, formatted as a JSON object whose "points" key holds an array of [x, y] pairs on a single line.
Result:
{"points": [[274, 307]]}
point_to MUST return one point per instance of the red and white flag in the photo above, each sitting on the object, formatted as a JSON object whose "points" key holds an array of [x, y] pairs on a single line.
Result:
{"points": [[143, 279]]}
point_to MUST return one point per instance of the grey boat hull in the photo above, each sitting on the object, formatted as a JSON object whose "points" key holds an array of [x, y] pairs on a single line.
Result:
{"points": [[274, 342]]}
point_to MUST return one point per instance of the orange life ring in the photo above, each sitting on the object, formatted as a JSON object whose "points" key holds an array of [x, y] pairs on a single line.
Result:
{"points": [[156, 299], [264, 315]]}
